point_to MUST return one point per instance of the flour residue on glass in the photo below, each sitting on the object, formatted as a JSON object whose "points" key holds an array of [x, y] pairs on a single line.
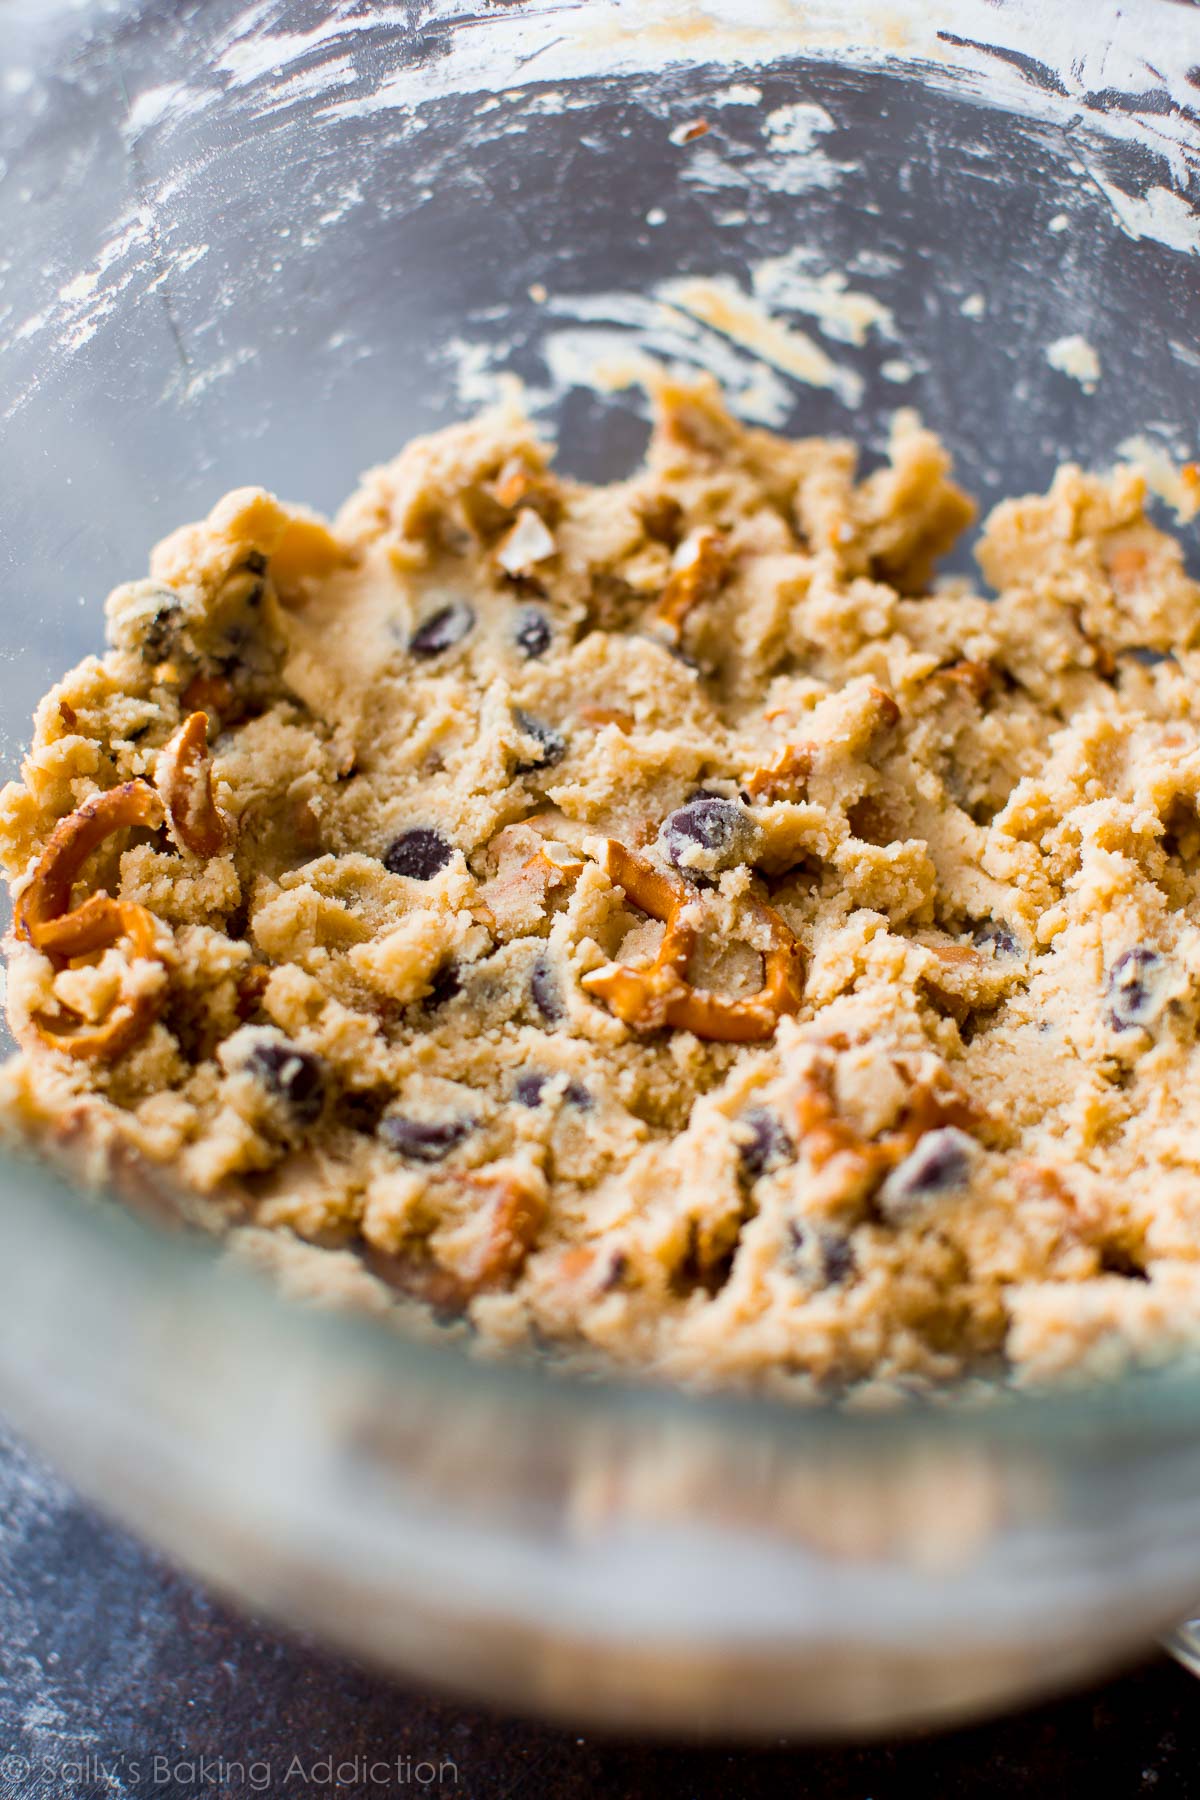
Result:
{"points": [[787, 324], [1072, 355]]}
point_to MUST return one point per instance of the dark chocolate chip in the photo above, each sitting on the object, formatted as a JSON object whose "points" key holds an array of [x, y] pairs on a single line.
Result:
{"points": [[256, 562], [442, 630], [553, 745], [362, 1110], [422, 1140], [419, 853], [293, 1076], [711, 824], [993, 932], [446, 983], [1131, 988], [838, 1256], [529, 1088], [618, 1268], [940, 1163], [547, 995], [532, 634], [162, 630], [824, 1258], [766, 1145]]}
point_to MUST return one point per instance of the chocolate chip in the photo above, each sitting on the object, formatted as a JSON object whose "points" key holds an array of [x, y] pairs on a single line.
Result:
{"points": [[529, 1089], [292, 1076], [419, 853], [255, 561], [1131, 990], [553, 745], [446, 983], [763, 1142], [999, 936], [708, 833], [442, 630], [422, 1140], [1148, 658], [824, 1258], [162, 630], [838, 1256], [362, 1110], [547, 995], [532, 633], [940, 1163], [614, 1275]]}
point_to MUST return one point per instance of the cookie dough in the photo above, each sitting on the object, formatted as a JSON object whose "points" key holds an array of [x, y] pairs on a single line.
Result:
{"points": [[662, 920]]}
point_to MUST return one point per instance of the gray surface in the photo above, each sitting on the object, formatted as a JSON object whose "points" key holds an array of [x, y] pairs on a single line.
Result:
{"points": [[108, 1660]]}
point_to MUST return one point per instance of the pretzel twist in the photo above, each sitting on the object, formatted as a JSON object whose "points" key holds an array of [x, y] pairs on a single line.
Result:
{"points": [[45, 918], [824, 1134], [661, 994]]}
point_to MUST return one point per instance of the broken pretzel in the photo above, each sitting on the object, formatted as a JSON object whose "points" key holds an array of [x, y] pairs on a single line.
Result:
{"points": [[700, 566], [661, 994], [784, 777], [183, 775], [45, 918]]}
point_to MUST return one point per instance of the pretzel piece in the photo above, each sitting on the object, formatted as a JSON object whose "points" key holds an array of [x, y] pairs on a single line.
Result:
{"points": [[44, 918], [661, 994], [183, 775], [131, 1017], [701, 565], [72, 841], [508, 896], [517, 1216], [975, 678], [600, 716], [90, 927], [824, 1134], [783, 778], [208, 693]]}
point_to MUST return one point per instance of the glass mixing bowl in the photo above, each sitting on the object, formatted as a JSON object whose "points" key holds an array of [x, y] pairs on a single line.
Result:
{"points": [[268, 243]]}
